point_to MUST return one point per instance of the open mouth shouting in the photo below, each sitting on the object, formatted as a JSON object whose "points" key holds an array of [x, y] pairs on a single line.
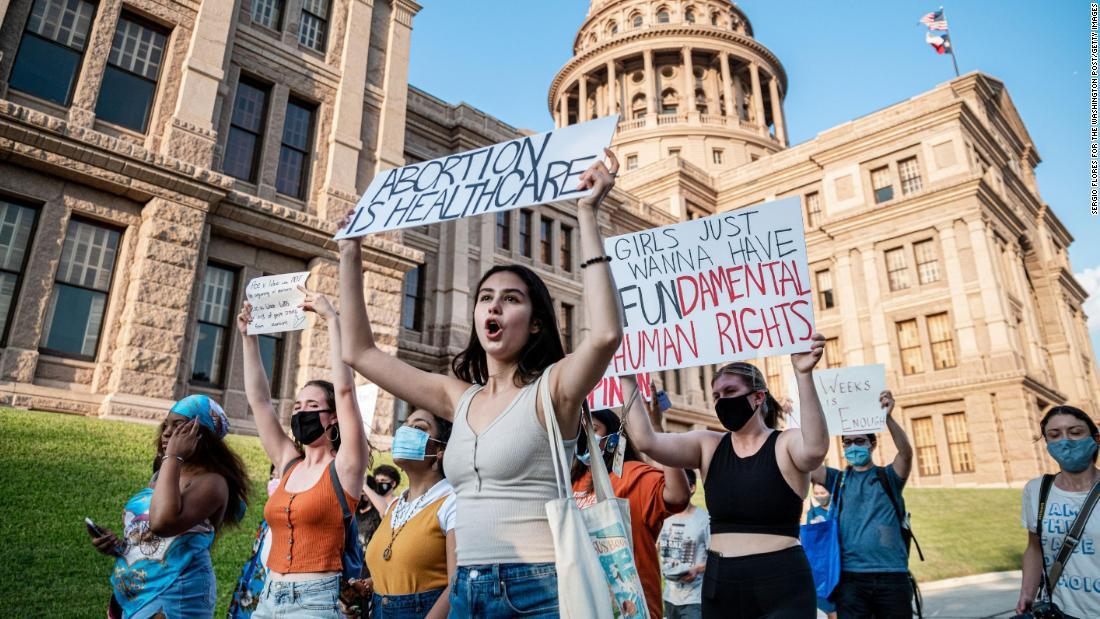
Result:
{"points": [[493, 330]]}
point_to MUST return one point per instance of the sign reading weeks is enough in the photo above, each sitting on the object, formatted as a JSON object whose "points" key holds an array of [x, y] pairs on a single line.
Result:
{"points": [[275, 300], [531, 170], [727, 287], [849, 398]]}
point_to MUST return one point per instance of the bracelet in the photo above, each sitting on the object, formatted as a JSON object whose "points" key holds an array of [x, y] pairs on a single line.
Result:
{"points": [[595, 260], [180, 458]]}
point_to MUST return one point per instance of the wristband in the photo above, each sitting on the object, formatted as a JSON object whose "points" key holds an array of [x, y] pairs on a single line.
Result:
{"points": [[595, 260], [180, 458]]}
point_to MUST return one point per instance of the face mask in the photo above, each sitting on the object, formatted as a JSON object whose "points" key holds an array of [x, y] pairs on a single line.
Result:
{"points": [[1073, 456], [384, 487], [609, 447], [857, 455], [306, 426], [272, 485], [734, 413], [411, 443]]}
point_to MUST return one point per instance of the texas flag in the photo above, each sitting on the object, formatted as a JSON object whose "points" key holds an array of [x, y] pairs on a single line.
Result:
{"points": [[938, 41]]}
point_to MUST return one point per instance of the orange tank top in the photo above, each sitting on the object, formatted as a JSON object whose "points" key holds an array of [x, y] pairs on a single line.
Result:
{"points": [[307, 528]]}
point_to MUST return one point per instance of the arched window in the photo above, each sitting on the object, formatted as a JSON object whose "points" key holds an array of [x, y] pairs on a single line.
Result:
{"points": [[662, 16], [714, 18], [636, 20], [612, 28], [637, 106], [669, 101], [689, 16], [701, 101], [592, 40]]}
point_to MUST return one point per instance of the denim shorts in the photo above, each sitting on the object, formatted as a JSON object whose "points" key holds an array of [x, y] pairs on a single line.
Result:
{"points": [[192, 594], [410, 606], [505, 590], [308, 599]]}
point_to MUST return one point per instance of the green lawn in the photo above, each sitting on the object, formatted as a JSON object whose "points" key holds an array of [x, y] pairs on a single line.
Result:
{"points": [[56, 469]]}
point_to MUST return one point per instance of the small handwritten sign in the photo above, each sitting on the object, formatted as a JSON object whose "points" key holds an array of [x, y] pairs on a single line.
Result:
{"points": [[850, 399], [275, 300]]}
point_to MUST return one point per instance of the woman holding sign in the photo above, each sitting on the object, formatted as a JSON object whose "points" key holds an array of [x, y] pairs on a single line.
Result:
{"points": [[754, 477], [499, 458], [304, 511]]}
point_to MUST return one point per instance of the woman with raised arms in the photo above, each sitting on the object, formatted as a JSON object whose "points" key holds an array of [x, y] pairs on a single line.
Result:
{"points": [[499, 457]]}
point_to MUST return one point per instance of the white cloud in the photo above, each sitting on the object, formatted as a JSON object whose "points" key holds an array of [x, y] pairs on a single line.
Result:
{"points": [[1090, 281]]}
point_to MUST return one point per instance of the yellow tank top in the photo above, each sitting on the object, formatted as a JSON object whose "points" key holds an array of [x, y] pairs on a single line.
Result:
{"points": [[418, 556]]}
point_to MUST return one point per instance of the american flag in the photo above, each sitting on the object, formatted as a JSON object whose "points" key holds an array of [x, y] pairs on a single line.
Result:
{"points": [[935, 20]]}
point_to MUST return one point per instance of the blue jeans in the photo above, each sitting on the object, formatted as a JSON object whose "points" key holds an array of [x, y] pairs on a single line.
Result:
{"points": [[682, 611], [410, 606], [505, 590], [308, 599]]}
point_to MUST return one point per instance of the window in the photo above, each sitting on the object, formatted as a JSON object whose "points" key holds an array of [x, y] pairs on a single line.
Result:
{"points": [[924, 437], [246, 131], [928, 263], [219, 287], [910, 176], [813, 209], [637, 106], [567, 327], [504, 230], [662, 16], [79, 297], [958, 443], [613, 28], [268, 13], [714, 19], [636, 20], [674, 152], [669, 101], [880, 182], [833, 357], [824, 289], [716, 156], [545, 226], [912, 360], [525, 232], [130, 80], [941, 334], [52, 48], [412, 302], [312, 30], [897, 272], [689, 17], [565, 256], [16, 227], [271, 354], [632, 162], [294, 153]]}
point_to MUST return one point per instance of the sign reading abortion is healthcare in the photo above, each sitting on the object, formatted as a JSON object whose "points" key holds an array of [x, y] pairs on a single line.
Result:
{"points": [[527, 171], [724, 288]]}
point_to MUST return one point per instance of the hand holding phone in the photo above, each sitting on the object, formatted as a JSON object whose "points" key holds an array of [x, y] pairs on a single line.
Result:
{"points": [[103, 540]]}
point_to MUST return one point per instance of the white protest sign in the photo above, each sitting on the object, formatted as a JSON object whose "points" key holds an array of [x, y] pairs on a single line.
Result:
{"points": [[728, 287], [526, 171], [849, 399], [367, 396], [608, 393], [275, 300]]}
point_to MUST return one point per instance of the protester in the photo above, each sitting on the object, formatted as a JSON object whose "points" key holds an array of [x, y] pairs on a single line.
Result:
{"points": [[874, 556], [254, 572], [755, 566], [683, 550], [1071, 439], [384, 492], [412, 558], [819, 513], [304, 511], [500, 462], [162, 563], [652, 493]]}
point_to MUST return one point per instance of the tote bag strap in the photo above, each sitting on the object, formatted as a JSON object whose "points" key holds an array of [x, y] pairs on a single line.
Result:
{"points": [[553, 434], [601, 481]]}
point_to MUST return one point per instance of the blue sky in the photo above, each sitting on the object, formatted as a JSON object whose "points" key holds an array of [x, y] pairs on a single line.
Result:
{"points": [[844, 59]]}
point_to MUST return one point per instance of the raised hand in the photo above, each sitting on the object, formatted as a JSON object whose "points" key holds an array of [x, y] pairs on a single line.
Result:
{"points": [[317, 303], [349, 243], [804, 362], [184, 440], [886, 398], [600, 178]]}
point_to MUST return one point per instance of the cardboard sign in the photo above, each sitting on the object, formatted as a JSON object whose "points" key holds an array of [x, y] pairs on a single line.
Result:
{"points": [[724, 288], [531, 170], [608, 393], [275, 300], [849, 399]]}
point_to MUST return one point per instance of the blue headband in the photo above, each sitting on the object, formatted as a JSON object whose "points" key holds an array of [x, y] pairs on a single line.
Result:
{"points": [[207, 411]]}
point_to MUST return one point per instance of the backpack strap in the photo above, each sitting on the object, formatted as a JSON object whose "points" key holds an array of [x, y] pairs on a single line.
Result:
{"points": [[888, 487], [1074, 536], [339, 490], [292, 463], [1044, 492]]}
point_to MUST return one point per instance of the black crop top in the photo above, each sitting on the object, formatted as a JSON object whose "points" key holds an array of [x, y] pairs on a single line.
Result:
{"points": [[750, 495]]}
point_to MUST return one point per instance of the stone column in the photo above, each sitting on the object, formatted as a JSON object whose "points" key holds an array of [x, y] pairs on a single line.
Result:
{"points": [[982, 243], [650, 102], [777, 111], [191, 134], [313, 342], [563, 107], [844, 289], [689, 80], [879, 335], [727, 90], [155, 317], [90, 78], [738, 99], [757, 95], [390, 149], [612, 89], [960, 304], [582, 98]]}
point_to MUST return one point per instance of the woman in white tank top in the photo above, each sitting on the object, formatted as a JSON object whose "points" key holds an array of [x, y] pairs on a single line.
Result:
{"points": [[499, 455]]}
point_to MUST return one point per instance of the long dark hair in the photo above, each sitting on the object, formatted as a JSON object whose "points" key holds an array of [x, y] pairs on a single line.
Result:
{"points": [[755, 378], [610, 421], [213, 455], [1072, 411], [542, 348], [330, 401]]}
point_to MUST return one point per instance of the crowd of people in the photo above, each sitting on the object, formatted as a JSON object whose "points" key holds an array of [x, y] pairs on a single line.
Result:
{"points": [[469, 535]]}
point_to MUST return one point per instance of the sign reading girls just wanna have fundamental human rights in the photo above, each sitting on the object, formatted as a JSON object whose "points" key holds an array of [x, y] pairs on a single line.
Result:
{"points": [[527, 171]]}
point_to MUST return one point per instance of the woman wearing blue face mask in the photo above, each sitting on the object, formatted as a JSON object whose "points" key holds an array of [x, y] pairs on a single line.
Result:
{"points": [[412, 554], [1072, 439]]}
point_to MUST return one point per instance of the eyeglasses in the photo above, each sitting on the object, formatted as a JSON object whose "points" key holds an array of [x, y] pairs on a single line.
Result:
{"points": [[860, 441]]}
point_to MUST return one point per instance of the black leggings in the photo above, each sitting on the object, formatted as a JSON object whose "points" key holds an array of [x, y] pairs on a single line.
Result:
{"points": [[772, 585]]}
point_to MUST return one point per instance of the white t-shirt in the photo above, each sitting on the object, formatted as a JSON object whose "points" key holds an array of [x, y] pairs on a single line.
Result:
{"points": [[1078, 590], [401, 511]]}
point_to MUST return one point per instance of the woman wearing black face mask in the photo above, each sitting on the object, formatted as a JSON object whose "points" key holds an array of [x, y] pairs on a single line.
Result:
{"points": [[304, 512], [754, 477]]}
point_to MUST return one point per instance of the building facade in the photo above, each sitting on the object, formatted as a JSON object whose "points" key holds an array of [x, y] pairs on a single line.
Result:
{"points": [[155, 155]]}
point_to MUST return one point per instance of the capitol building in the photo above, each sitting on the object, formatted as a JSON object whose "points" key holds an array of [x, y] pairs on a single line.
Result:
{"points": [[156, 155]]}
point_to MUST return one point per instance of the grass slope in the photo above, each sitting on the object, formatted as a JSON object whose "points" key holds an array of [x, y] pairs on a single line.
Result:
{"points": [[56, 469]]}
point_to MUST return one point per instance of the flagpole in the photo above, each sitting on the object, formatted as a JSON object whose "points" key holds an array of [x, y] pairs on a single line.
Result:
{"points": [[951, 39]]}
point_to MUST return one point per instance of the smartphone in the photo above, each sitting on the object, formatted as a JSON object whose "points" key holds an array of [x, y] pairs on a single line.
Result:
{"points": [[93, 528], [662, 401]]}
